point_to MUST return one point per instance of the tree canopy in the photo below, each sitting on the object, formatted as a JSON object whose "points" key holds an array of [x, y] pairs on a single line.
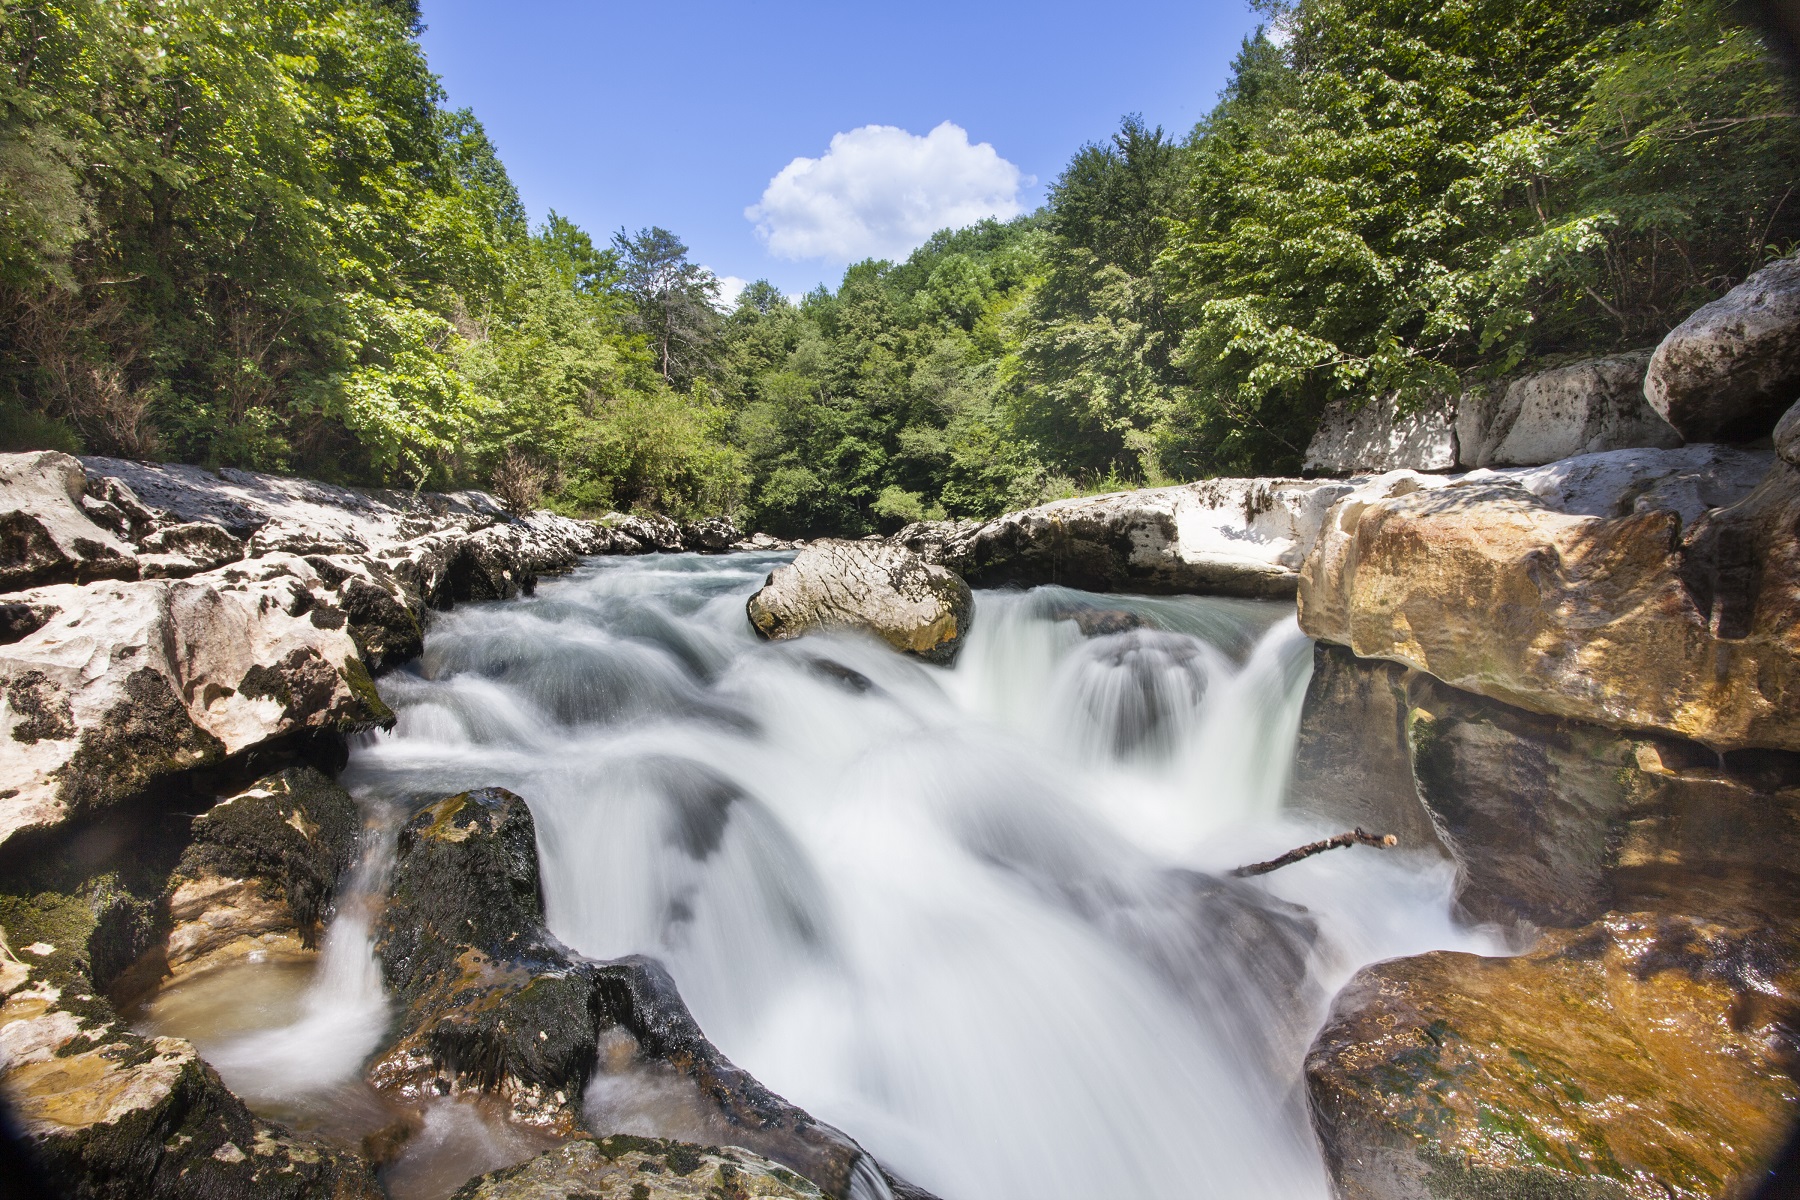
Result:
{"points": [[250, 232]]}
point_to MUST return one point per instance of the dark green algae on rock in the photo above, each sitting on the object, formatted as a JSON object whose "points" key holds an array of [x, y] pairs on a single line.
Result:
{"points": [[492, 1003]]}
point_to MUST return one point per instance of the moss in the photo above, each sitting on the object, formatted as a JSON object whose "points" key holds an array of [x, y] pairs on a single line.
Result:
{"points": [[362, 686], [43, 712], [146, 736]]}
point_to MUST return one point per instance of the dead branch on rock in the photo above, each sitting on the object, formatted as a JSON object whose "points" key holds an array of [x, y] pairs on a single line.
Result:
{"points": [[1353, 838]]}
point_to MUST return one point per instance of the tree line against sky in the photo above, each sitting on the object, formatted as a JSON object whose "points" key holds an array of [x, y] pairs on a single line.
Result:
{"points": [[249, 232]]}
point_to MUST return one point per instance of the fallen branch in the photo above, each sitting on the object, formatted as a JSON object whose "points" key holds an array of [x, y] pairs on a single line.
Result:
{"points": [[1354, 837]]}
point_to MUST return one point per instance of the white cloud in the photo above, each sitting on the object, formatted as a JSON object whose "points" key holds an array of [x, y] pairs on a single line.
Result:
{"points": [[880, 191], [730, 288]]}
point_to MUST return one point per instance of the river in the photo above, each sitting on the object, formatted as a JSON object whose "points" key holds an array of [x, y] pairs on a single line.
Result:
{"points": [[978, 917]]}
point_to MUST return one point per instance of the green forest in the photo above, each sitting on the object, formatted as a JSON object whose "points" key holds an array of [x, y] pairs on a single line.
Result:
{"points": [[252, 233]]}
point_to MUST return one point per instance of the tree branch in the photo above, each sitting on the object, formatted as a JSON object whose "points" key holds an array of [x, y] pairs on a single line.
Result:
{"points": [[1355, 837]]}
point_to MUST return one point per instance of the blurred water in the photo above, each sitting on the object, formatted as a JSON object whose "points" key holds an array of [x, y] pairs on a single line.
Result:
{"points": [[975, 917]]}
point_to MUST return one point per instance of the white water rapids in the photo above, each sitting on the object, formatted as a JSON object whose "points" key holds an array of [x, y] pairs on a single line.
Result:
{"points": [[975, 917]]}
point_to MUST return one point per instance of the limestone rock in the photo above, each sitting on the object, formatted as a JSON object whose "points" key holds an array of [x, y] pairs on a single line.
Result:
{"points": [[174, 551], [714, 535], [1636, 1058], [1622, 621], [1581, 408], [1729, 370], [261, 870], [115, 1116], [648, 533], [1235, 537], [1787, 436], [45, 534], [1373, 437], [492, 1002], [130, 683], [281, 514], [875, 586], [1688, 481], [621, 1167]]}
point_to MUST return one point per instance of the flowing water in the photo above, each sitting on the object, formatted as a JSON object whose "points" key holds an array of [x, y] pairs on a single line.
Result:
{"points": [[976, 917]]}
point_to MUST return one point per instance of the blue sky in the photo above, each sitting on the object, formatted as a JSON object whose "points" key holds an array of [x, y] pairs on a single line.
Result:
{"points": [[685, 114]]}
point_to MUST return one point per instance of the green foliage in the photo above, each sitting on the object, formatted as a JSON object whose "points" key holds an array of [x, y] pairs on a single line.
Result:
{"points": [[247, 232], [1410, 194]]}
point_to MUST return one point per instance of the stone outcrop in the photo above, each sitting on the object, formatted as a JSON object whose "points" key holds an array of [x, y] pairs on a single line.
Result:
{"points": [[1374, 436], [128, 683], [621, 1167], [1637, 1058], [1627, 620], [877, 587], [493, 1003], [1643, 1040], [1729, 370], [112, 1115], [1787, 436], [261, 871], [1234, 537], [1581, 408], [45, 536]]}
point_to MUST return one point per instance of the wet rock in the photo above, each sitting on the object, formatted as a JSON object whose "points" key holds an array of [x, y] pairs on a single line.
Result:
{"points": [[115, 1116], [1620, 621], [650, 533], [621, 1167], [187, 549], [131, 683], [1727, 372], [1641, 1056], [1237, 537], [1581, 408], [492, 1002], [1787, 436], [45, 534], [880, 588], [261, 871], [1373, 436], [714, 535], [1094, 621], [1352, 762]]}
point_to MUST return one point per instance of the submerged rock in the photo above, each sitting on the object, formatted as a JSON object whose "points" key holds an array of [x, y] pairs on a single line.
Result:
{"points": [[1729, 370], [492, 1002], [1640, 1057], [621, 1167], [882, 588], [115, 1116], [1623, 621]]}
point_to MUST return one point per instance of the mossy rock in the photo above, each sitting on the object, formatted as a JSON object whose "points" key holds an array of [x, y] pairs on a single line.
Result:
{"points": [[636, 1168]]}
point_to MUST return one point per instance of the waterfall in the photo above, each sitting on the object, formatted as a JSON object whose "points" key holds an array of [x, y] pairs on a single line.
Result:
{"points": [[977, 917]]}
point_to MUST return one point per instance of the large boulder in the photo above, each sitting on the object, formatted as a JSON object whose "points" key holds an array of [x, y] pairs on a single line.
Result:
{"points": [[1354, 439], [111, 1115], [260, 874], [881, 588], [1580, 408], [1729, 370], [1638, 1057], [45, 534], [1235, 537], [1624, 620], [492, 1003], [621, 1167], [126, 684]]}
